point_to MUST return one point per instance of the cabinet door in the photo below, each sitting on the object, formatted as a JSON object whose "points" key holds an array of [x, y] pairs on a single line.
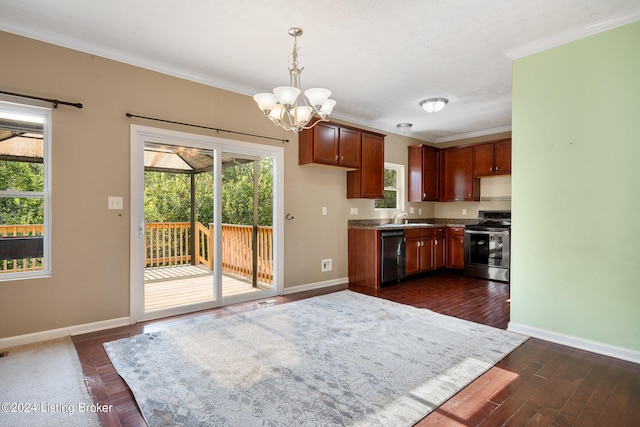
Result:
{"points": [[430, 172], [439, 248], [414, 179], [424, 173], [459, 183], [412, 254], [455, 248], [502, 157], [483, 160], [426, 254], [325, 143], [349, 148], [372, 167], [439, 245]]}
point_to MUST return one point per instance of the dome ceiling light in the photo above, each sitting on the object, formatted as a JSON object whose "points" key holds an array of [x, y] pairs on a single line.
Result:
{"points": [[433, 105]]}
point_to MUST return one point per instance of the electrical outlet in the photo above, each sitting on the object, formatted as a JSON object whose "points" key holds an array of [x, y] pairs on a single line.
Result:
{"points": [[324, 210], [115, 202], [464, 211], [327, 265]]}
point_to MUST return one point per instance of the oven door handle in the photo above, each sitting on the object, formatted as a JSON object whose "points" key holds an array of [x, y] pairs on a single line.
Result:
{"points": [[502, 232]]}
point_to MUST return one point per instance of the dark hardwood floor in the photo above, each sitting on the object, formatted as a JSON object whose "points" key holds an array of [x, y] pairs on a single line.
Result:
{"points": [[538, 384]]}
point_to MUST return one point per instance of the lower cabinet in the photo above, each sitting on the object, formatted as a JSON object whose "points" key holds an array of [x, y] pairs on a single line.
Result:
{"points": [[455, 247], [419, 250], [426, 249], [439, 247], [364, 257]]}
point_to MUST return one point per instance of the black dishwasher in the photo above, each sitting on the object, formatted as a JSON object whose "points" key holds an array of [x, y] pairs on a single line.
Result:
{"points": [[392, 256]]}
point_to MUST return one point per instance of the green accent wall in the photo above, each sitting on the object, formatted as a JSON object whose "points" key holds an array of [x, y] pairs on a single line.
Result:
{"points": [[576, 189]]}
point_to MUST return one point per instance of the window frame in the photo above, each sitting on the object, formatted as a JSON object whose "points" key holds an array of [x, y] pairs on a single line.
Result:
{"points": [[44, 114], [399, 189]]}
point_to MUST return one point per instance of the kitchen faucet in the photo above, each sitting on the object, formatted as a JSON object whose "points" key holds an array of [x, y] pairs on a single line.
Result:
{"points": [[398, 215]]}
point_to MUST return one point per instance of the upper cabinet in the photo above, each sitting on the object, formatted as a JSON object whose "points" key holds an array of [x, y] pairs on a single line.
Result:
{"points": [[492, 158], [458, 182], [453, 174], [424, 174], [367, 182], [330, 144], [338, 145]]}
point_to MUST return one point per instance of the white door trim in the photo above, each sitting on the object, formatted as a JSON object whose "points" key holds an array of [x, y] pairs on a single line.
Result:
{"points": [[141, 134]]}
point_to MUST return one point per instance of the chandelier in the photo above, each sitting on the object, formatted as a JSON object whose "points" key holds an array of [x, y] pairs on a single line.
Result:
{"points": [[284, 106]]}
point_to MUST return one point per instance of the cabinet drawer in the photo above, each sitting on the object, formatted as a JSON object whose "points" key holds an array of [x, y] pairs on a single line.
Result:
{"points": [[412, 233], [456, 231], [440, 231], [426, 232]]}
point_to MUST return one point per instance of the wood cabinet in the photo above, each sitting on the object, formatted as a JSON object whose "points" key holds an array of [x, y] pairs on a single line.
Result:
{"points": [[455, 247], [439, 247], [364, 257], [367, 182], [330, 144], [424, 173], [458, 182], [493, 158], [419, 250]]}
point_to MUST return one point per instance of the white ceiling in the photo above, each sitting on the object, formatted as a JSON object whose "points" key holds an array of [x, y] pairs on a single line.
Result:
{"points": [[378, 57]]}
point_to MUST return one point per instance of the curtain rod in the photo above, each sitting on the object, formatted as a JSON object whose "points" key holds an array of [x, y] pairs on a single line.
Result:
{"points": [[55, 102], [284, 141]]}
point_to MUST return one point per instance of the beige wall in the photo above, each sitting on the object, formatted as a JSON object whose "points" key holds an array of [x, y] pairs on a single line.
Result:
{"points": [[90, 161]]}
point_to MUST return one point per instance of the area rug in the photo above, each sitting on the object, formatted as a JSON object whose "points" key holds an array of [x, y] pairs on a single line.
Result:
{"points": [[339, 359], [42, 384]]}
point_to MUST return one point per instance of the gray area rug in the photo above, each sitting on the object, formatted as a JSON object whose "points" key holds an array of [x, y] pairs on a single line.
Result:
{"points": [[42, 385], [338, 359]]}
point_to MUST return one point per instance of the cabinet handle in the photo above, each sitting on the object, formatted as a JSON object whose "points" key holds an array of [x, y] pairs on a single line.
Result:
{"points": [[490, 168], [336, 157], [436, 242], [496, 168], [425, 195], [341, 158]]}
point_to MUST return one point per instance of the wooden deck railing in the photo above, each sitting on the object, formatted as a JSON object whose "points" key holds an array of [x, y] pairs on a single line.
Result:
{"points": [[23, 264], [167, 243]]}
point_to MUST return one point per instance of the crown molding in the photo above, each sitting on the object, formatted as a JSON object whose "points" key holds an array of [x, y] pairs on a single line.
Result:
{"points": [[477, 133], [573, 34]]}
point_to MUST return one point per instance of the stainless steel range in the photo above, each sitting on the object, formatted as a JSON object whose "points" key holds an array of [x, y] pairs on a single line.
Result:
{"points": [[487, 246]]}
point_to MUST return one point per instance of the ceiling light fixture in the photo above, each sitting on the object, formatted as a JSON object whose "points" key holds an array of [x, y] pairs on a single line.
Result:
{"points": [[404, 127], [283, 105], [433, 105]]}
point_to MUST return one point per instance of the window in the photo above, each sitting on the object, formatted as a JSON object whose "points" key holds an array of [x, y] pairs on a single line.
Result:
{"points": [[24, 191], [393, 188]]}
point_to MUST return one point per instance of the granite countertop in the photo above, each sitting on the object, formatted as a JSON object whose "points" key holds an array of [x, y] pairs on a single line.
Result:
{"points": [[385, 224]]}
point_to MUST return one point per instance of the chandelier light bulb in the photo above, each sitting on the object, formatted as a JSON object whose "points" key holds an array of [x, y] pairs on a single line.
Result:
{"points": [[285, 108]]}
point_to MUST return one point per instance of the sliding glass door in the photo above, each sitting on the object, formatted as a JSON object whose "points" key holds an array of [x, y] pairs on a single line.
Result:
{"points": [[247, 224], [204, 228]]}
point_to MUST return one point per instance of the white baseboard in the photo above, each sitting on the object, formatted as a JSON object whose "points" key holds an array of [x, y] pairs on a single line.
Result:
{"points": [[317, 285], [575, 342], [62, 332]]}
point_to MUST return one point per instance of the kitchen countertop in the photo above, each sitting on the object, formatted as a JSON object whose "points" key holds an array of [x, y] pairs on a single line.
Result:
{"points": [[382, 224]]}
